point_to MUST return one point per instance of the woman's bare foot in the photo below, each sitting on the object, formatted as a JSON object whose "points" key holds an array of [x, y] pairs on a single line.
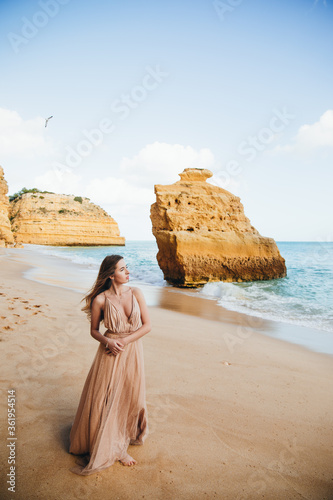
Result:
{"points": [[128, 460]]}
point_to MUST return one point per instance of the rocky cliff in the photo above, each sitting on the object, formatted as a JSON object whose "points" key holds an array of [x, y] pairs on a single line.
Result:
{"points": [[203, 235], [6, 235], [54, 219]]}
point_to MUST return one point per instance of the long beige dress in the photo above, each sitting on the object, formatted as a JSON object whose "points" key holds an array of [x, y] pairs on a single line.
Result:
{"points": [[112, 411]]}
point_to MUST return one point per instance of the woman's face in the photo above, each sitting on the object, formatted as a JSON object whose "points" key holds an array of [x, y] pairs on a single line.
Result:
{"points": [[121, 274]]}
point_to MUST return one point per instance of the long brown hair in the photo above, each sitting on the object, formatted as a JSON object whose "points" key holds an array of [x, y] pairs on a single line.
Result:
{"points": [[102, 283]]}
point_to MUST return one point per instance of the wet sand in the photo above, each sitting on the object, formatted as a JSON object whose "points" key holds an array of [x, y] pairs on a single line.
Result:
{"points": [[233, 413]]}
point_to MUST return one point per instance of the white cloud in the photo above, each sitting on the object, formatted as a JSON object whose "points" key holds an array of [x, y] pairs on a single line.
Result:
{"points": [[111, 190], [319, 134], [61, 182], [157, 163], [21, 138], [312, 137], [229, 183], [160, 163], [115, 195]]}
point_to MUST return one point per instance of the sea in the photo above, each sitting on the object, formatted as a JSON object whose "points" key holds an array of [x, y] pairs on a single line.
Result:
{"points": [[304, 297]]}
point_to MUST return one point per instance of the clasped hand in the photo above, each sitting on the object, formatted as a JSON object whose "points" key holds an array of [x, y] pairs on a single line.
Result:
{"points": [[115, 346]]}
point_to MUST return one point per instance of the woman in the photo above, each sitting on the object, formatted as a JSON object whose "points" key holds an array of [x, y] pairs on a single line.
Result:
{"points": [[112, 411]]}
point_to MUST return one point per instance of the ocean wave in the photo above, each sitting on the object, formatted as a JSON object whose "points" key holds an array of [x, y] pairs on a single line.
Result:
{"points": [[265, 300], [143, 269], [66, 254]]}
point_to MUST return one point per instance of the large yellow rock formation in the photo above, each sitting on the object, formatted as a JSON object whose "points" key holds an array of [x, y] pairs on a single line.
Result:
{"points": [[55, 219], [203, 235], [6, 235]]}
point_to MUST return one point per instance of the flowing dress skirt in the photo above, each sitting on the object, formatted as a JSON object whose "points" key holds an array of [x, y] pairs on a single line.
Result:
{"points": [[112, 411]]}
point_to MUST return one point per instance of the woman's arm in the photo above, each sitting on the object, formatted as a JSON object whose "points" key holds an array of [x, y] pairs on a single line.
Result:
{"points": [[146, 326], [114, 346]]}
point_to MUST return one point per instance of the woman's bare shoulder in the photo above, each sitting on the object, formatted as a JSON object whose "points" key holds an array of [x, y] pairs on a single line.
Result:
{"points": [[99, 299], [137, 292]]}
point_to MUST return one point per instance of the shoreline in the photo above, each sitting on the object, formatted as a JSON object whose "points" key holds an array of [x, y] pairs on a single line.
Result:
{"points": [[244, 418], [56, 271]]}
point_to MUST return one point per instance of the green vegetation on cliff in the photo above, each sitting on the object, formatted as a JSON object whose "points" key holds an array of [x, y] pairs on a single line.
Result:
{"points": [[24, 190]]}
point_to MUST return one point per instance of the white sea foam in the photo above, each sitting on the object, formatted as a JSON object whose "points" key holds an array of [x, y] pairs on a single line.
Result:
{"points": [[258, 299]]}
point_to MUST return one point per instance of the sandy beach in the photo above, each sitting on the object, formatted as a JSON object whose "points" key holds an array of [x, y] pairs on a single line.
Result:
{"points": [[233, 413]]}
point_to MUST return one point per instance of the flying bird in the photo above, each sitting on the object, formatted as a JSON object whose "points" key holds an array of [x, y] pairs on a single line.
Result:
{"points": [[47, 119]]}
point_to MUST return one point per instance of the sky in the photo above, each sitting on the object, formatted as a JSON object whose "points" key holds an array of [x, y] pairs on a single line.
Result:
{"points": [[140, 90]]}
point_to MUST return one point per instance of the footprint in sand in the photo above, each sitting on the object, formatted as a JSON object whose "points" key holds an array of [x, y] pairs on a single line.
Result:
{"points": [[27, 307], [7, 327], [20, 322], [25, 301], [3, 317], [37, 305]]}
